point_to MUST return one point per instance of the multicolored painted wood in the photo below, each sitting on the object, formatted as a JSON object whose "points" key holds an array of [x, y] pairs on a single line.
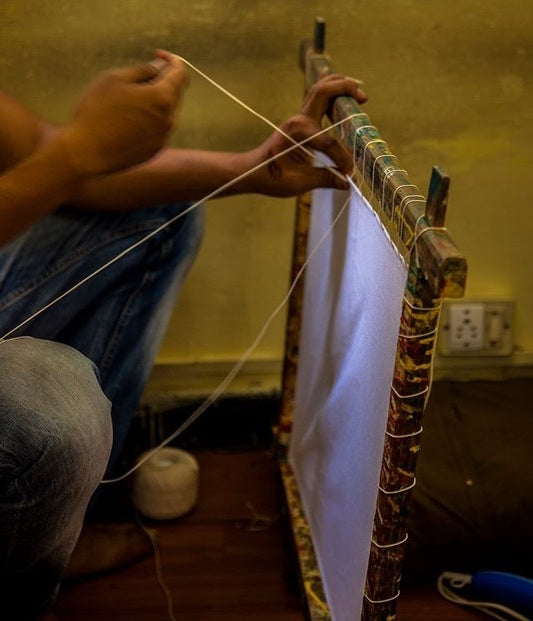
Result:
{"points": [[436, 269], [293, 326], [409, 394], [312, 587]]}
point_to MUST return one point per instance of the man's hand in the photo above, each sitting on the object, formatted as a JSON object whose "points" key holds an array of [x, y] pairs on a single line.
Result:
{"points": [[125, 116], [180, 174], [294, 173]]}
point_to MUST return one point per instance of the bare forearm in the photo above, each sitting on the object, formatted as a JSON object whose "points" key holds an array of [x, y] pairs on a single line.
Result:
{"points": [[176, 175], [172, 175], [34, 188], [124, 118]]}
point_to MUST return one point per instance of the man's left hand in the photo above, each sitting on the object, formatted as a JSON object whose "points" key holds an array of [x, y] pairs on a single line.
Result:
{"points": [[294, 172]]}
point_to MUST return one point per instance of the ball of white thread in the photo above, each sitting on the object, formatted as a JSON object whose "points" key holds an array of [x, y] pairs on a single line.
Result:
{"points": [[166, 485]]}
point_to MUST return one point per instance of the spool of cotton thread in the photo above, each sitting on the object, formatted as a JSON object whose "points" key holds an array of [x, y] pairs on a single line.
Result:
{"points": [[166, 485]]}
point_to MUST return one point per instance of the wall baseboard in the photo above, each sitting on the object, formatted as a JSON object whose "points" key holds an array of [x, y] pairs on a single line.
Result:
{"points": [[177, 382]]}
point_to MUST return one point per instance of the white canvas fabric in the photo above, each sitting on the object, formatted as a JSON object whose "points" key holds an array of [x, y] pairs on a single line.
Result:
{"points": [[352, 303]]}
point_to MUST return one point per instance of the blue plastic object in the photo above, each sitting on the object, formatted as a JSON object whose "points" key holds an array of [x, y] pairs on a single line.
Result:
{"points": [[514, 592]]}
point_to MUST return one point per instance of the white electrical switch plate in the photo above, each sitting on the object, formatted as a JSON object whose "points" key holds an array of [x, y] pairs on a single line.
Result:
{"points": [[467, 327], [476, 328]]}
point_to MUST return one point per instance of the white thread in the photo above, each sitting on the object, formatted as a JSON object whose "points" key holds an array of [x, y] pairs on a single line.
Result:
{"points": [[405, 185], [432, 365], [363, 127], [398, 491], [389, 545], [369, 206], [388, 173], [166, 485], [374, 169], [382, 601], [380, 222], [229, 378], [147, 237], [421, 308], [264, 119], [411, 198], [354, 161], [368, 144], [410, 396], [240, 363], [414, 337], [159, 569], [355, 143], [427, 229], [419, 235], [405, 435], [488, 608], [248, 352], [205, 198], [418, 221]]}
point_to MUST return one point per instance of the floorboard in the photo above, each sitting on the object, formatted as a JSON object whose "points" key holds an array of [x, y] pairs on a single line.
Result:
{"points": [[225, 561]]}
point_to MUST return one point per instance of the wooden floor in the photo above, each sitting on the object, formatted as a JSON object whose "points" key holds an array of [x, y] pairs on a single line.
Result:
{"points": [[222, 562]]}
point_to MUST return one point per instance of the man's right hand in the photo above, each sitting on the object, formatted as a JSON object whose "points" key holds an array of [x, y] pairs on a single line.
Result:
{"points": [[125, 116]]}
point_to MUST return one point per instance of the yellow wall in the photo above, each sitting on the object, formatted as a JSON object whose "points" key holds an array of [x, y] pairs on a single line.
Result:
{"points": [[449, 82]]}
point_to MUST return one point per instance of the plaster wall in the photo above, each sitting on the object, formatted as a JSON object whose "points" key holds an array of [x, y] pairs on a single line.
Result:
{"points": [[449, 84]]}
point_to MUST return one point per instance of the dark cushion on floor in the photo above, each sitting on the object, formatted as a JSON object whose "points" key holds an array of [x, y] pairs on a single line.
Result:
{"points": [[473, 504]]}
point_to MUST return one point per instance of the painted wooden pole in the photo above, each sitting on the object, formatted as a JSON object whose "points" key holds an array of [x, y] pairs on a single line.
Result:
{"points": [[293, 325], [436, 269]]}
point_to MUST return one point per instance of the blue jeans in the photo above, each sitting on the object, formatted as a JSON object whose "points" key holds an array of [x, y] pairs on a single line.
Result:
{"points": [[92, 349]]}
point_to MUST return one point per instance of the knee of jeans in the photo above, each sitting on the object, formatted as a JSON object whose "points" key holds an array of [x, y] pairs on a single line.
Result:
{"points": [[54, 414]]}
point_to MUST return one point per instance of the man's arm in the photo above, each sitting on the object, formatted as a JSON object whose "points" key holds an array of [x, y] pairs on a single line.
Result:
{"points": [[21, 132], [123, 119], [35, 187], [190, 174]]}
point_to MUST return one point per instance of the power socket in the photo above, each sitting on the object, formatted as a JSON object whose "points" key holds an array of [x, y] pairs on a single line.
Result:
{"points": [[467, 327], [476, 328]]}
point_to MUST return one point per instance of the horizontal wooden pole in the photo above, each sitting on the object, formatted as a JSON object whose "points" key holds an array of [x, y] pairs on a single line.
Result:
{"points": [[402, 207]]}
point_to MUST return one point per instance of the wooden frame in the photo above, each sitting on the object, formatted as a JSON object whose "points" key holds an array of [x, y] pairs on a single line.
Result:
{"points": [[436, 269]]}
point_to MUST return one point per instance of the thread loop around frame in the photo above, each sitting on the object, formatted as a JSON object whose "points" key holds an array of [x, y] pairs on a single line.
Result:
{"points": [[388, 174], [411, 395], [398, 491], [405, 435], [376, 160], [389, 545], [369, 144], [382, 601], [406, 201], [416, 337]]}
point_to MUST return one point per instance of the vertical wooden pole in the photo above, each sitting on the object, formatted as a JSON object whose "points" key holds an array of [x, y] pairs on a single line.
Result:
{"points": [[410, 387], [443, 272], [409, 394], [299, 256], [293, 325]]}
